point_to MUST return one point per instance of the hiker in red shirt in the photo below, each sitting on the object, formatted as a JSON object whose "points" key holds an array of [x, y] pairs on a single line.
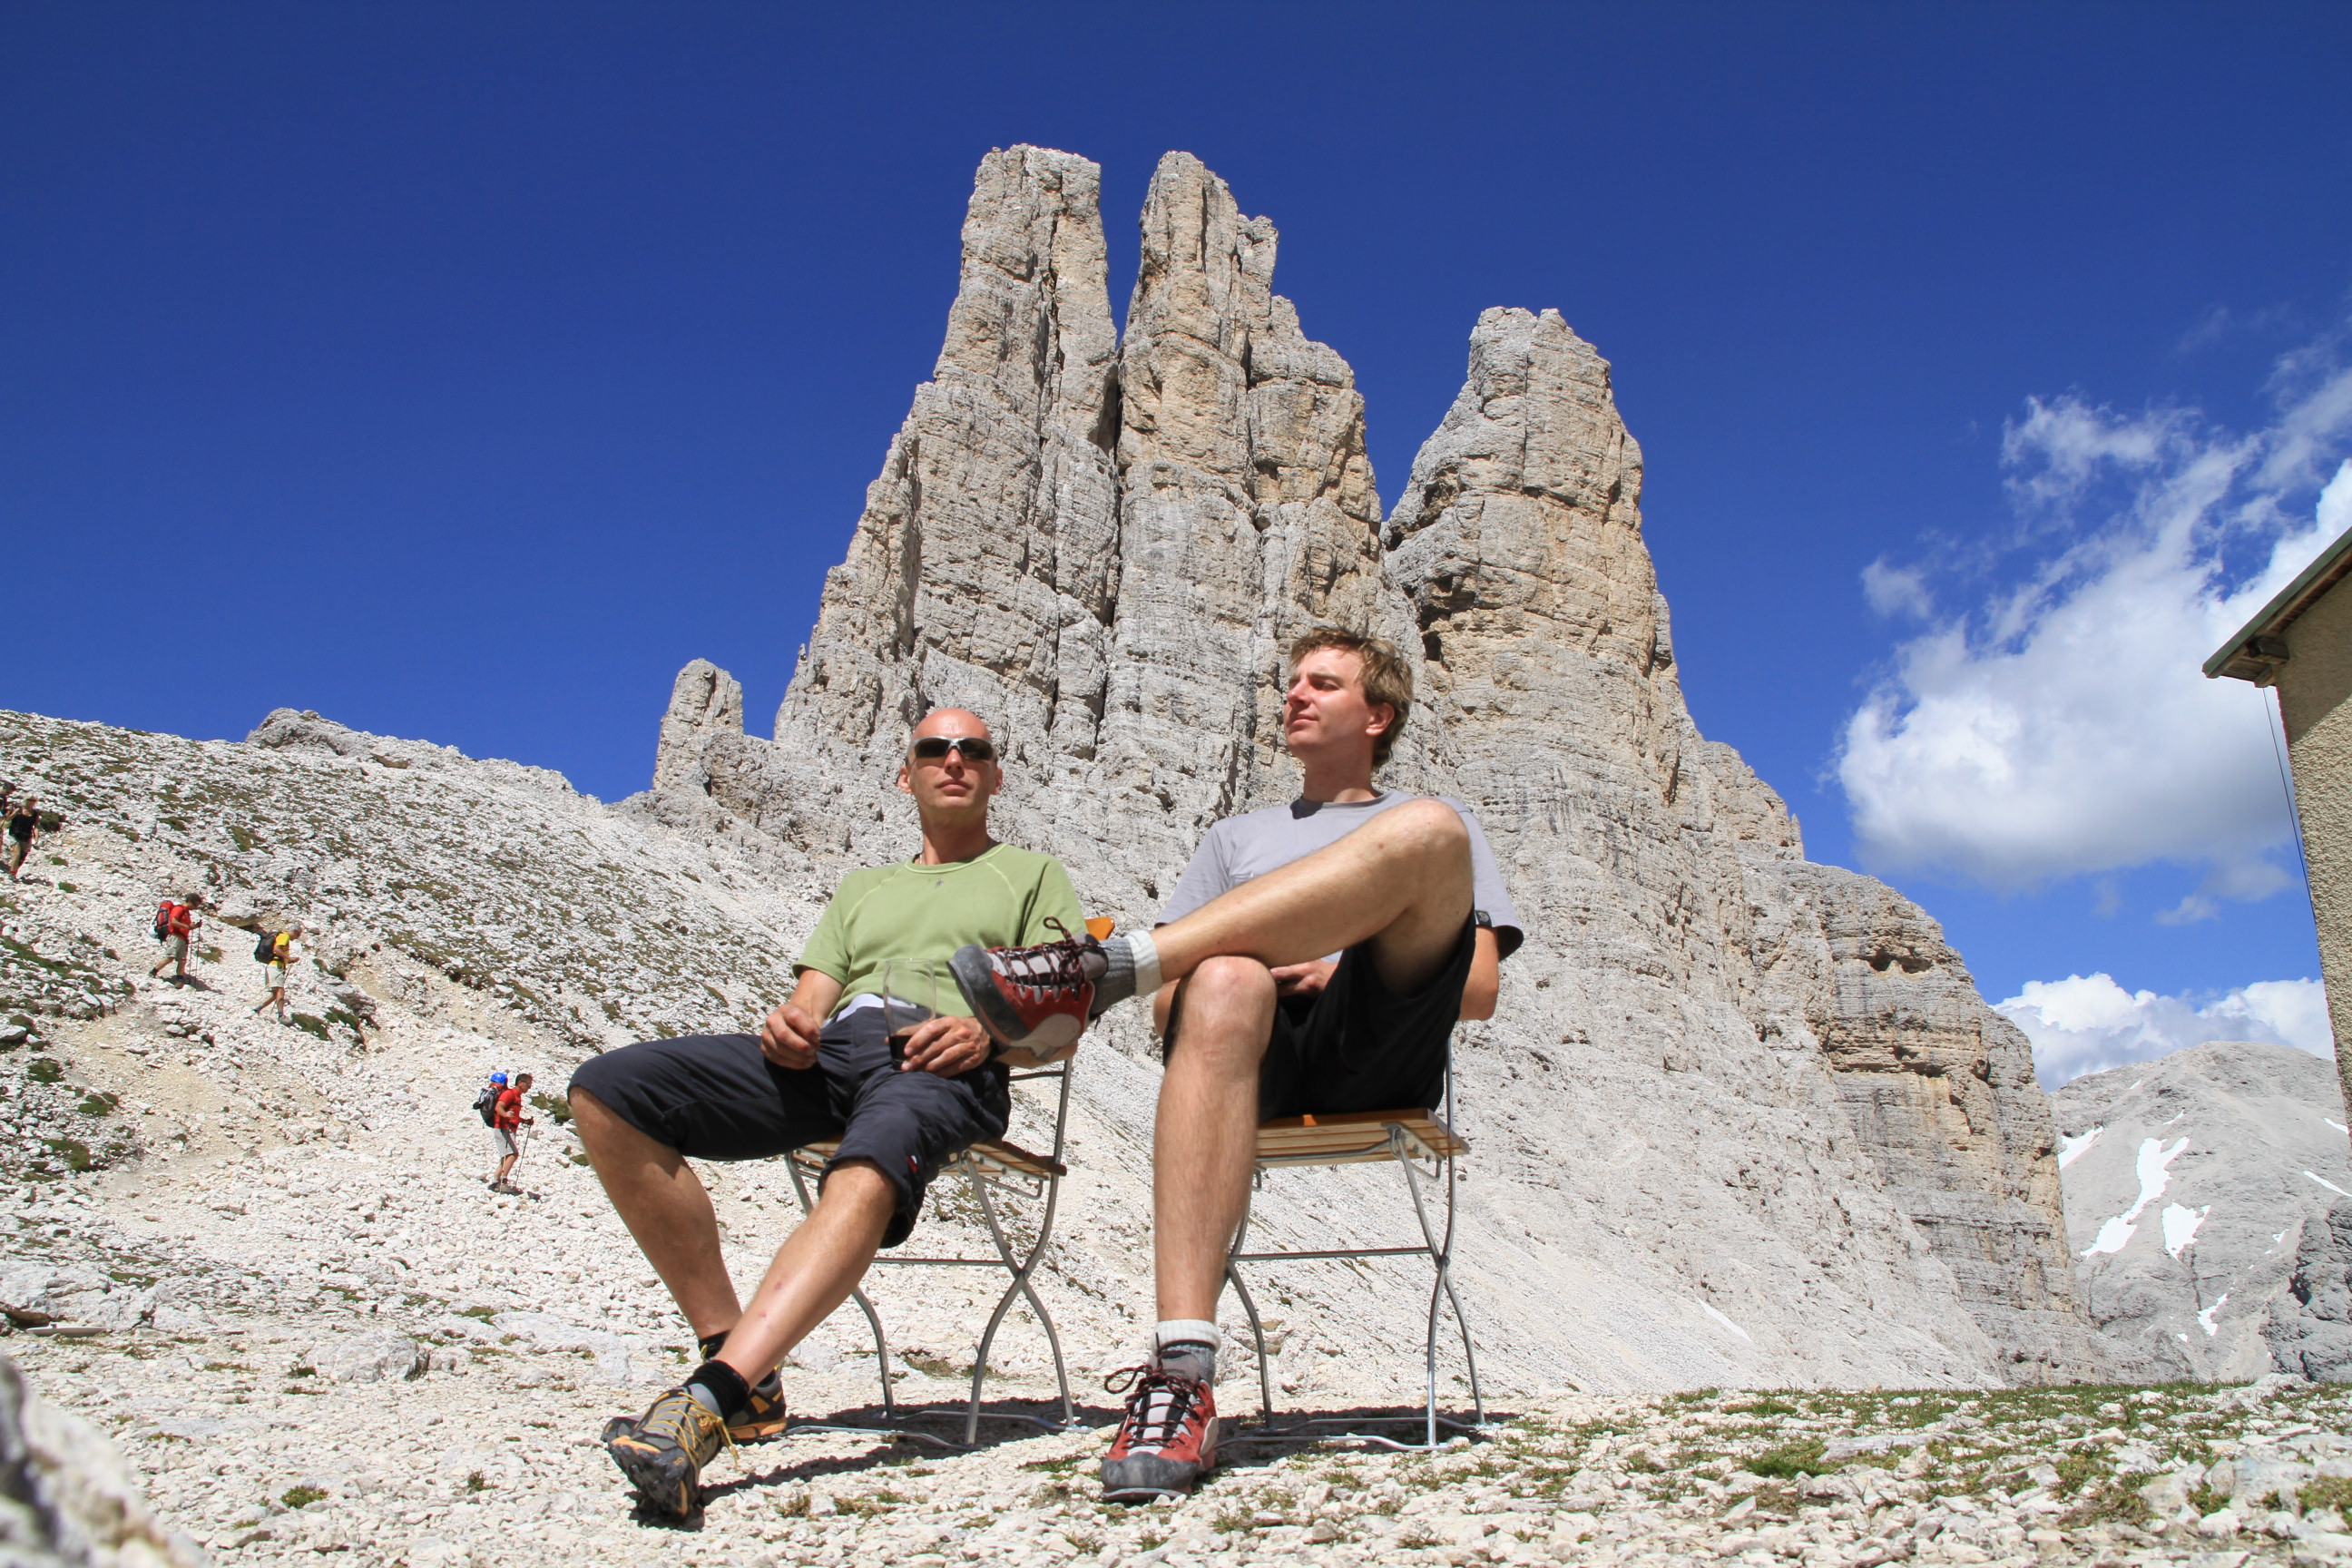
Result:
{"points": [[174, 924], [505, 1117]]}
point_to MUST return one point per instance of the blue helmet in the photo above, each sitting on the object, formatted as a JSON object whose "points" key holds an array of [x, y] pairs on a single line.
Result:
{"points": [[498, 1078]]}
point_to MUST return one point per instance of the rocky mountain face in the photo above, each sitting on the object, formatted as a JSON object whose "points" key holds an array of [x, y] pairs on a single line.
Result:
{"points": [[2209, 1194], [1740, 1118]]}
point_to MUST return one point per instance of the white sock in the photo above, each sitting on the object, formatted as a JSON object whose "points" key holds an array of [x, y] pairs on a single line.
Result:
{"points": [[1199, 1338], [1145, 954]]}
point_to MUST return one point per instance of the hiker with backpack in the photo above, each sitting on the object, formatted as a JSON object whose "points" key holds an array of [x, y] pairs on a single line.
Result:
{"points": [[23, 827], [506, 1119], [176, 924], [274, 949]]}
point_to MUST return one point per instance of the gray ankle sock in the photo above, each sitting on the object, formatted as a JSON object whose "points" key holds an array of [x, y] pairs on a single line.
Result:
{"points": [[1187, 1347], [1132, 966], [1189, 1357]]}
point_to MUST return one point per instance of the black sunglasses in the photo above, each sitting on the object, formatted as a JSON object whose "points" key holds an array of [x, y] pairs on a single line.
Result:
{"points": [[973, 748]]}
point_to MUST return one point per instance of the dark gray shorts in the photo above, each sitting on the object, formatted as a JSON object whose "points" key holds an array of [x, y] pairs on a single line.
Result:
{"points": [[715, 1097], [1356, 1045]]}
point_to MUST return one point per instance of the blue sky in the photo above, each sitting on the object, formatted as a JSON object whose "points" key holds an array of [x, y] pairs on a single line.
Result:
{"points": [[461, 371]]}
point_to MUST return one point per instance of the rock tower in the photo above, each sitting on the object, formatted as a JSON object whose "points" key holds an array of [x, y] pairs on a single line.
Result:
{"points": [[1740, 1117]]}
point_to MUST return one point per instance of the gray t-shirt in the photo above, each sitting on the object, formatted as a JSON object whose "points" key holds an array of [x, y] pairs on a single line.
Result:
{"points": [[1241, 848]]}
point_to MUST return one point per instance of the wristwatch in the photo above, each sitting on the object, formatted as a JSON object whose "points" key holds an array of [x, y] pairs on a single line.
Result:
{"points": [[1482, 919]]}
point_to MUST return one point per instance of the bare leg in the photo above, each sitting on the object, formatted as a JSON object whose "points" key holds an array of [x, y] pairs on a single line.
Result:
{"points": [[1205, 1135], [814, 1270], [1401, 882], [666, 1209], [663, 1202]]}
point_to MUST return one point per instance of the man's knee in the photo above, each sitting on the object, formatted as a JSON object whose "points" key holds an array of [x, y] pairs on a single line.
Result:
{"points": [[1228, 981], [602, 1128], [1426, 825], [857, 1181], [1226, 1009]]}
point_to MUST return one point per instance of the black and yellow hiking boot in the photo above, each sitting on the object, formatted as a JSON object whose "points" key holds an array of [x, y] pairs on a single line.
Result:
{"points": [[663, 1451], [764, 1416]]}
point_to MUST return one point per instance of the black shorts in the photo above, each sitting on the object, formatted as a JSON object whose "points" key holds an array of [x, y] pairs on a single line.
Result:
{"points": [[1355, 1046], [716, 1097]]}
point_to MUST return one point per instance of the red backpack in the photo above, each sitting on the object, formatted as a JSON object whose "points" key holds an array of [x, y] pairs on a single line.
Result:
{"points": [[165, 912]]}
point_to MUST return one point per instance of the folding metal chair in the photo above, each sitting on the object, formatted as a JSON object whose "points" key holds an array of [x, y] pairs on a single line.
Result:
{"points": [[991, 1171], [1412, 1140]]}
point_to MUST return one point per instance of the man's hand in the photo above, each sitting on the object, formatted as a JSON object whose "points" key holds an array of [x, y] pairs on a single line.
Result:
{"points": [[947, 1046], [1307, 979], [788, 1038]]}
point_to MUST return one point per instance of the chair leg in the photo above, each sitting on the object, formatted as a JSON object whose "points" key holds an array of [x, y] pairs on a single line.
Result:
{"points": [[1021, 1270], [881, 1349], [1445, 1274], [1249, 1309], [1442, 1290]]}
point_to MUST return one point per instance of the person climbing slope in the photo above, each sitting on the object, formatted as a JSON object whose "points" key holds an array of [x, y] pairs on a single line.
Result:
{"points": [[176, 923], [276, 952], [506, 1119], [23, 827]]}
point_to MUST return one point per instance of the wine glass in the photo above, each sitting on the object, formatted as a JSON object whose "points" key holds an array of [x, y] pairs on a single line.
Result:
{"points": [[910, 995]]}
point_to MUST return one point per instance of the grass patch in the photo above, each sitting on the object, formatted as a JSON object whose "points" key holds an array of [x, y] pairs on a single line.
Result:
{"points": [[1801, 1457], [2117, 1501], [2073, 1471], [2329, 1491], [302, 1497], [97, 1102], [475, 1482], [72, 1151], [310, 1024], [558, 1110], [46, 1070]]}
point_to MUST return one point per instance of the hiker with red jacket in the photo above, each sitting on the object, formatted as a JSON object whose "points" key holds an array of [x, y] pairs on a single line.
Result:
{"points": [[175, 923], [506, 1118]]}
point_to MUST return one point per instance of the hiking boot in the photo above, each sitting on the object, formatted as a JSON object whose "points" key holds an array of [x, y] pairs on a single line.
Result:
{"points": [[663, 1451], [762, 1418], [1167, 1441], [1034, 999]]}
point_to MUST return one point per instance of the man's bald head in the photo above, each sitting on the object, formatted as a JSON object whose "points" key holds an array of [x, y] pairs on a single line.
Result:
{"points": [[952, 722]]}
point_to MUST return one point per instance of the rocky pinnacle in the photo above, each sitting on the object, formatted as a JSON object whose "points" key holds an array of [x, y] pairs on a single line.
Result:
{"points": [[1740, 1118]]}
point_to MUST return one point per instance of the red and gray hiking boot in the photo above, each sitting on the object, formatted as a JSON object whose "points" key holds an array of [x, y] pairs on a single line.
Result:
{"points": [[1167, 1440], [1033, 999]]}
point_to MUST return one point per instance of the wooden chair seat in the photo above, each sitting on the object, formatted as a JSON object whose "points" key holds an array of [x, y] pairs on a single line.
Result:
{"points": [[1006, 1157], [1353, 1137]]}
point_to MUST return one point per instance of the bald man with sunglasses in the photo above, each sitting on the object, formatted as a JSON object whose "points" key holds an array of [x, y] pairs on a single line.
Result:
{"points": [[822, 1067]]}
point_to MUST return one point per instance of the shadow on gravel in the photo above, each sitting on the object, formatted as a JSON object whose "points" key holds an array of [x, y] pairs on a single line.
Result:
{"points": [[793, 1457], [796, 1459], [1246, 1446]]}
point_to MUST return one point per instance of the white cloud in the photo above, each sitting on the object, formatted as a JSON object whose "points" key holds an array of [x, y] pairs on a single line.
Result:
{"points": [[1896, 590], [2062, 726], [2086, 1024]]}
